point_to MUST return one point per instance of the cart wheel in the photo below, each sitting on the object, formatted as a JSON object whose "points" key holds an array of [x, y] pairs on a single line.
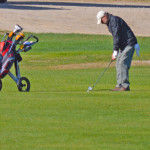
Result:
{"points": [[24, 85], [0, 85]]}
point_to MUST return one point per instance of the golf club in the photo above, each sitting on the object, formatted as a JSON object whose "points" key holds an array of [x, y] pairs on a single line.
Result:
{"points": [[91, 88]]}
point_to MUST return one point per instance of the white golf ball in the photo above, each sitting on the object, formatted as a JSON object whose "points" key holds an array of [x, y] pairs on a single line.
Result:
{"points": [[89, 88]]}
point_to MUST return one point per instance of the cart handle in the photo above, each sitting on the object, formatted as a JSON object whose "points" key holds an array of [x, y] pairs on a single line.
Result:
{"points": [[32, 36]]}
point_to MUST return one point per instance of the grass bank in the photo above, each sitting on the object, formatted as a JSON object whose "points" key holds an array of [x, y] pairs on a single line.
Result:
{"points": [[58, 49]]}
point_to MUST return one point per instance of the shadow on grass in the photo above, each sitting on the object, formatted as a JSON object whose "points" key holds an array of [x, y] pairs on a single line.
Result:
{"points": [[30, 5], [74, 91]]}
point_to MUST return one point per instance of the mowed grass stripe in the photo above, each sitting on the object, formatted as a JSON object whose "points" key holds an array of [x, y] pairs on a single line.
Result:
{"points": [[58, 113]]}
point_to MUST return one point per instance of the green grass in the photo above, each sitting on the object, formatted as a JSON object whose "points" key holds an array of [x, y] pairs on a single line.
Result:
{"points": [[58, 113], [58, 49]]}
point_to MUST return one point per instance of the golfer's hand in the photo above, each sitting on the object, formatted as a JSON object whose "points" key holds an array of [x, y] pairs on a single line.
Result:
{"points": [[114, 55], [113, 58]]}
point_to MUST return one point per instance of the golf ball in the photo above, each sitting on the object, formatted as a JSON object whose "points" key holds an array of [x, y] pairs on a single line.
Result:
{"points": [[89, 88]]}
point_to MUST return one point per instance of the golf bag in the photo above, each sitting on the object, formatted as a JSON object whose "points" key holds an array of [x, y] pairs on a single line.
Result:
{"points": [[9, 56]]}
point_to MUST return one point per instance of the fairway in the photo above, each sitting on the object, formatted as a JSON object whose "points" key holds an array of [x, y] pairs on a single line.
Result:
{"points": [[58, 113]]}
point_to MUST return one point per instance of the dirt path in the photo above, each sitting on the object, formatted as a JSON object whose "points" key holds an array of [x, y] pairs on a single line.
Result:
{"points": [[71, 17], [97, 65]]}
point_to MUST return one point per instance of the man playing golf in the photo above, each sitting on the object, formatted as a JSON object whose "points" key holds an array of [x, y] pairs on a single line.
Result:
{"points": [[124, 42]]}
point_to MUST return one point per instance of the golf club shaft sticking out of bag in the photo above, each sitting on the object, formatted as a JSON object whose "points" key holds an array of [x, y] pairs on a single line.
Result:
{"points": [[91, 88]]}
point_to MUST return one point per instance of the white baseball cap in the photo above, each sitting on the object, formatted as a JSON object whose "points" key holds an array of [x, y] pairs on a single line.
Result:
{"points": [[99, 16]]}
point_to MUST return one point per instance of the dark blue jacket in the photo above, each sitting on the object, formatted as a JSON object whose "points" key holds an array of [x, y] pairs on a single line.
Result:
{"points": [[121, 32]]}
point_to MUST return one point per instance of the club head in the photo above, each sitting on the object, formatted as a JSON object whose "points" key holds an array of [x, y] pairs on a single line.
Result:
{"points": [[17, 29], [89, 89]]}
